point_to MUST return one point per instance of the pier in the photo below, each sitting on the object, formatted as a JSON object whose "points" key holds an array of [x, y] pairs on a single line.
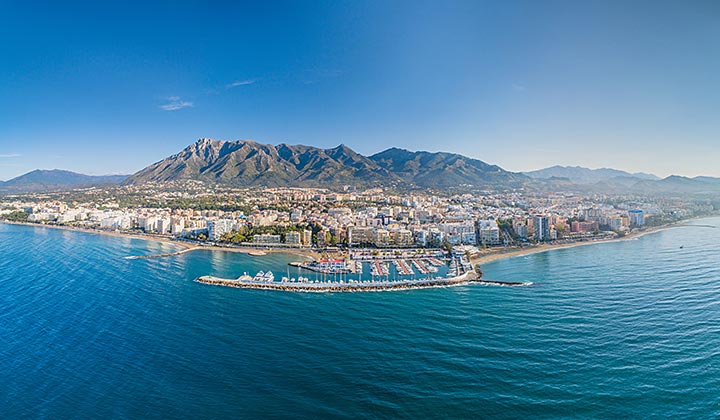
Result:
{"points": [[309, 286], [461, 272], [169, 254], [332, 286]]}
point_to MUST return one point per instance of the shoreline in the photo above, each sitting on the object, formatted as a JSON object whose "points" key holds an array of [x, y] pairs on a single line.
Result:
{"points": [[478, 259], [187, 246], [535, 249]]}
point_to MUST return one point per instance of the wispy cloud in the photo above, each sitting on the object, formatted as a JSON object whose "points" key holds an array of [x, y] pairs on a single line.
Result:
{"points": [[240, 83], [174, 103], [518, 88], [9, 155]]}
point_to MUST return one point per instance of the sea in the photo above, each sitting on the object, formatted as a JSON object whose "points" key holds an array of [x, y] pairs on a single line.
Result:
{"points": [[625, 329]]}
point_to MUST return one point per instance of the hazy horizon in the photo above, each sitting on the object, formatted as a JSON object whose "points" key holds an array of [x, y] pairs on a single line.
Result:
{"points": [[98, 88]]}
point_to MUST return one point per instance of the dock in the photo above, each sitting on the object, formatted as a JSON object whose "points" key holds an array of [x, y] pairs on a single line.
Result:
{"points": [[308, 286], [403, 268]]}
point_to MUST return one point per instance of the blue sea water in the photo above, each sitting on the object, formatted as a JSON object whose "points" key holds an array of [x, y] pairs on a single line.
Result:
{"points": [[627, 329]]}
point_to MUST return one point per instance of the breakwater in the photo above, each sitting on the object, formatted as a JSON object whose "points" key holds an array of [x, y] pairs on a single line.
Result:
{"points": [[169, 254], [353, 286]]}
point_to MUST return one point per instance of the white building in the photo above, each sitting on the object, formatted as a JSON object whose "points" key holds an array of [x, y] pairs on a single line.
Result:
{"points": [[637, 217], [266, 239], [542, 228], [217, 228], [293, 238]]}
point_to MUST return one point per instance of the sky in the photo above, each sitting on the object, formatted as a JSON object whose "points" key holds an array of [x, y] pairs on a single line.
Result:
{"points": [[104, 88]]}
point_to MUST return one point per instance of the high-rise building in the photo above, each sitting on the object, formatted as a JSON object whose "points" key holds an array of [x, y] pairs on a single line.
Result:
{"points": [[542, 228], [217, 228], [637, 217], [306, 237]]}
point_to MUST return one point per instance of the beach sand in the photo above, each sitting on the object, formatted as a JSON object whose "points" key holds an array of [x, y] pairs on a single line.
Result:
{"points": [[188, 246], [496, 254], [483, 257]]}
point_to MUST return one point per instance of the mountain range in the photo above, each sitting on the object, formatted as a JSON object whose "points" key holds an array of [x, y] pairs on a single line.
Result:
{"points": [[580, 175], [249, 163], [41, 180], [246, 162]]}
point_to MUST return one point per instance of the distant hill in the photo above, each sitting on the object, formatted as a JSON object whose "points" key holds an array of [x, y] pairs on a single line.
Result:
{"points": [[41, 180], [679, 184], [580, 175], [707, 179], [442, 170], [245, 162], [672, 185], [248, 163]]}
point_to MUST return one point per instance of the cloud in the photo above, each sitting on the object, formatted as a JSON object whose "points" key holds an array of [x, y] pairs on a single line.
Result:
{"points": [[240, 83], [518, 88], [9, 155], [175, 103]]}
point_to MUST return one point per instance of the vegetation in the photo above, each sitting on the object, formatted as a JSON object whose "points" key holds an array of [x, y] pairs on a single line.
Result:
{"points": [[17, 216], [246, 233]]}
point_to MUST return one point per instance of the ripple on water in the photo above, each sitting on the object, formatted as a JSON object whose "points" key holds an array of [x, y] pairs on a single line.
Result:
{"points": [[620, 330]]}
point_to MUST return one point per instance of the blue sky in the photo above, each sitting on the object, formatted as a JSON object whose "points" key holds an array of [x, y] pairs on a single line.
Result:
{"points": [[100, 88]]}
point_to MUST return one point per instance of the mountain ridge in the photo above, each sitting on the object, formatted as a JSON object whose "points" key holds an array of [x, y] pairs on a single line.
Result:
{"points": [[583, 175], [250, 163], [246, 162], [41, 180]]}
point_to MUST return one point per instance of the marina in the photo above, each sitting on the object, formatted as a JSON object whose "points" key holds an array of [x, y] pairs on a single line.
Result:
{"points": [[378, 269], [402, 268], [339, 275], [306, 285]]}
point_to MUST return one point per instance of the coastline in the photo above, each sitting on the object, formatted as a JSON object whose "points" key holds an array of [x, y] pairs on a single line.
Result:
{"points": [[187, 246], [491, 255], [496, 255]]}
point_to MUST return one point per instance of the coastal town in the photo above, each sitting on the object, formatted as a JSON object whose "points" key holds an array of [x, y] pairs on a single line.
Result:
{"points": [[398, 232]]}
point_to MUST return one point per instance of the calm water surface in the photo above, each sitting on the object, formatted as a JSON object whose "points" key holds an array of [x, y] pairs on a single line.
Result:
{"points": [[627, 329]]}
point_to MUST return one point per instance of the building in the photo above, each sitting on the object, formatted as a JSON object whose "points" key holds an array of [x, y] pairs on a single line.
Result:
{"points": [[614, 223], [521, 230], [421, 237], [381, 237], [361, 235], [637, 218], [293, 238], [217, 228], [542, 228], [584, 227], [267, 239], [402, 237], [489, 235], [306, 237]]}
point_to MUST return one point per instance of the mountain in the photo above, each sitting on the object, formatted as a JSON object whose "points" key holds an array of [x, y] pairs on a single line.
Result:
{"points": [[675, 184], [442, 170], [41, 180], [580, 175], [245, 162], [707, 179]]}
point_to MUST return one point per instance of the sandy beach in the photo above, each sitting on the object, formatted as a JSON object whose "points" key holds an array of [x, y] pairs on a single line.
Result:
{"points": [[188, 246], [495, 254], [484, 256]]}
